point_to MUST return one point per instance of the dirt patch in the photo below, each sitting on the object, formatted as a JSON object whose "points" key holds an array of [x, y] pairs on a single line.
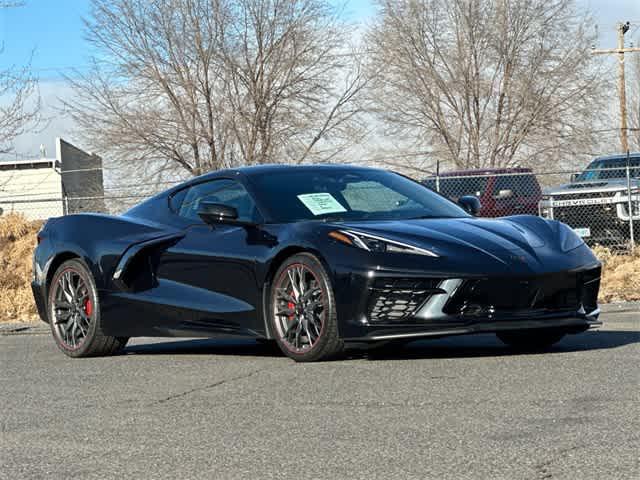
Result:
{"points": [[17, 241]]}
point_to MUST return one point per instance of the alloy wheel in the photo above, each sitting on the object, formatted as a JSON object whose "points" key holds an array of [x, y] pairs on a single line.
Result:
{"points": [[72, 309], [299, 308]]}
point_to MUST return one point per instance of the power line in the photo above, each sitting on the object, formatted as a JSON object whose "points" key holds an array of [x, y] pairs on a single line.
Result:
{"points": [[623, 28]]}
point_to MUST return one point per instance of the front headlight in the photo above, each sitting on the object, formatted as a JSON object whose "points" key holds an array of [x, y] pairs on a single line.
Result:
{"points": [[635, 205], [569, 240], [374, 243]]}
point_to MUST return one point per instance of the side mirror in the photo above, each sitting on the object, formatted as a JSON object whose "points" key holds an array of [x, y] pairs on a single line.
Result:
{"points": [[213, 213], [574, 177], [504, 194], [470, 204]]}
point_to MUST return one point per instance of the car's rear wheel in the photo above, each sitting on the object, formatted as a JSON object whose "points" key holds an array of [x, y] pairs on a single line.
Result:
{"points": [[74, 313], [302, 310], [537, 339]]}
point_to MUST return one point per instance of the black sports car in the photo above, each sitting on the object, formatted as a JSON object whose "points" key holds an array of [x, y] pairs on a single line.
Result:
{"points": [[313, 257]]}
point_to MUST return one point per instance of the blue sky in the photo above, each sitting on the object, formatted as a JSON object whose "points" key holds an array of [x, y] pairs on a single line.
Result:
{"points": [[52, 32]]}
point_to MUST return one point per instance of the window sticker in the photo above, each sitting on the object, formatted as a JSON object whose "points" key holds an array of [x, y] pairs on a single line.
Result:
{"points": [[321, 203]]}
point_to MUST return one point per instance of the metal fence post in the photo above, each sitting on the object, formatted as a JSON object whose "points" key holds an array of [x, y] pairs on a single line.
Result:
{"points": [[632, 242]]}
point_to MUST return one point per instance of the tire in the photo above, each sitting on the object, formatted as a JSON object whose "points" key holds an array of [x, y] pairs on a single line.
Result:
{"points": [[302, 310], [74, 313], [537, 339]]}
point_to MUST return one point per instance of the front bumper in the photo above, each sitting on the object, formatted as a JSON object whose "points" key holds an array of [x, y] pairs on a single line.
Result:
{"points": [[39, 298], [416, 307], [572, 324]]}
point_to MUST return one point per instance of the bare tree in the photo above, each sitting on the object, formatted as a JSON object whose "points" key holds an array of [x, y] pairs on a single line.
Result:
{"points": [[20, 106], [198, 85], [482, 83]]}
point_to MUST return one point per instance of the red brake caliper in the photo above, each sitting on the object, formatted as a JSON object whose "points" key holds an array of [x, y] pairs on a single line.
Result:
{"points": [[291, 306], [88, 307]]}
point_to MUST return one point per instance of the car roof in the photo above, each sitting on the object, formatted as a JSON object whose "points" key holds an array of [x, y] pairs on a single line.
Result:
{"points": [[484, 171], [266, 169], [255, 170], [618, 156]]}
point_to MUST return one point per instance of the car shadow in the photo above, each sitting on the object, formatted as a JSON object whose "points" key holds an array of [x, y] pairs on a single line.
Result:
{"points": [[206, 346], [488, 345], [464, 346]]}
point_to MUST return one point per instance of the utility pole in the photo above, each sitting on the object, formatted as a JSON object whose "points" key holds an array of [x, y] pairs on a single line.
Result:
{"points": [[622, 91]]}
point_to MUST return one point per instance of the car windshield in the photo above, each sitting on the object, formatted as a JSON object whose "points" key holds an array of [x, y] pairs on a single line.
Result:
{"points": [[348, 194], [609, 169]]}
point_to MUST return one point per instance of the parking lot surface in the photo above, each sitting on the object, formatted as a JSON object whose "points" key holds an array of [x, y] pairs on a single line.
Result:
{"points": [[459, 408]]}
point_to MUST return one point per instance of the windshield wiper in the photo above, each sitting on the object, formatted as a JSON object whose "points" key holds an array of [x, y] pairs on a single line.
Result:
{"points": [[331, 219]]}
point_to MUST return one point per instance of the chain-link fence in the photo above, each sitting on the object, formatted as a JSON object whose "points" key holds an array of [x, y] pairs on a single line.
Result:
{"points": [[601, 204]]}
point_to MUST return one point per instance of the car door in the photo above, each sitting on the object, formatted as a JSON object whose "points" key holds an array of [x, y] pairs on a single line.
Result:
{"points": [[210, 273]]}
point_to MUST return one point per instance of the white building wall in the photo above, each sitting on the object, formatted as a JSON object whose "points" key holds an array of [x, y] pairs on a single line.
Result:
{"points": [[31, 188]]}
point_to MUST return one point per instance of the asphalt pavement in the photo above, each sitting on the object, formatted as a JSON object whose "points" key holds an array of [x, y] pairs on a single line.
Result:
{"points": [[459, 408]]}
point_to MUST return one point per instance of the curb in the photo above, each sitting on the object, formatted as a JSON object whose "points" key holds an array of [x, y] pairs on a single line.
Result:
{"points": [[620, 307], [24, 328]]}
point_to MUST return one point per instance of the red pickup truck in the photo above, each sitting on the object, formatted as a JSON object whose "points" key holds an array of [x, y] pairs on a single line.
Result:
{"points": [[502, 191]]}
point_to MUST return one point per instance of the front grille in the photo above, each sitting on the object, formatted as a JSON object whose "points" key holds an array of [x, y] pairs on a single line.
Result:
{"points": [[556, 292], [396, 299], [586, 215], [579, 195], [602, 221]]}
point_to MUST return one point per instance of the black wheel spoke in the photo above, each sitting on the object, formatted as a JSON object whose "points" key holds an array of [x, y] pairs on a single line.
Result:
{"points": [[282, 294], [296, 341], [291, 328], [309, 337], [62, 316], [286, 312], [312, 293], [62, 304]]}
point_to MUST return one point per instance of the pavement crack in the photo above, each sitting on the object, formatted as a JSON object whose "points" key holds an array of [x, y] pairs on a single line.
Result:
{"points": [[207, 387]]}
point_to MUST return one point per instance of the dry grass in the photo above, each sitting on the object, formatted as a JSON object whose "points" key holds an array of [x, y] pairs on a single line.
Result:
{"points": [[17, 241], [620, 278]]}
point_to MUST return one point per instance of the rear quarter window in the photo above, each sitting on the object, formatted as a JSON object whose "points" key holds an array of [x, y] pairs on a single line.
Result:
{"points": [[521, 185], [459, 187]]}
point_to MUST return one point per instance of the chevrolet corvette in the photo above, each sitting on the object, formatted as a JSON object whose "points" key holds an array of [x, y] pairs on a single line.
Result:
{"points": [[315, 258]]}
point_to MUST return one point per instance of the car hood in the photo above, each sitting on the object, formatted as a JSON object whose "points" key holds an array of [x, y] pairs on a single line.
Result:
{"points": [[524, 240], [578, 188]]}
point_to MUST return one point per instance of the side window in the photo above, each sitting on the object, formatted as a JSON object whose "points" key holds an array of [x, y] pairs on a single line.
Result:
{"points": [[458, 187], [635, 167], [225, 192], [518, 185], [612, 170]]}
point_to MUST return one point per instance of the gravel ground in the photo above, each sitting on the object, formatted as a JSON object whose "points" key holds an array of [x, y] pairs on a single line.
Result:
{"points": [[459, 408]]}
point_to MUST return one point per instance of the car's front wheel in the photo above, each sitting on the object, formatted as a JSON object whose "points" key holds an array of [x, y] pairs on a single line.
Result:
{"points": [[74, 313], [302, 310], [535, 339]]}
